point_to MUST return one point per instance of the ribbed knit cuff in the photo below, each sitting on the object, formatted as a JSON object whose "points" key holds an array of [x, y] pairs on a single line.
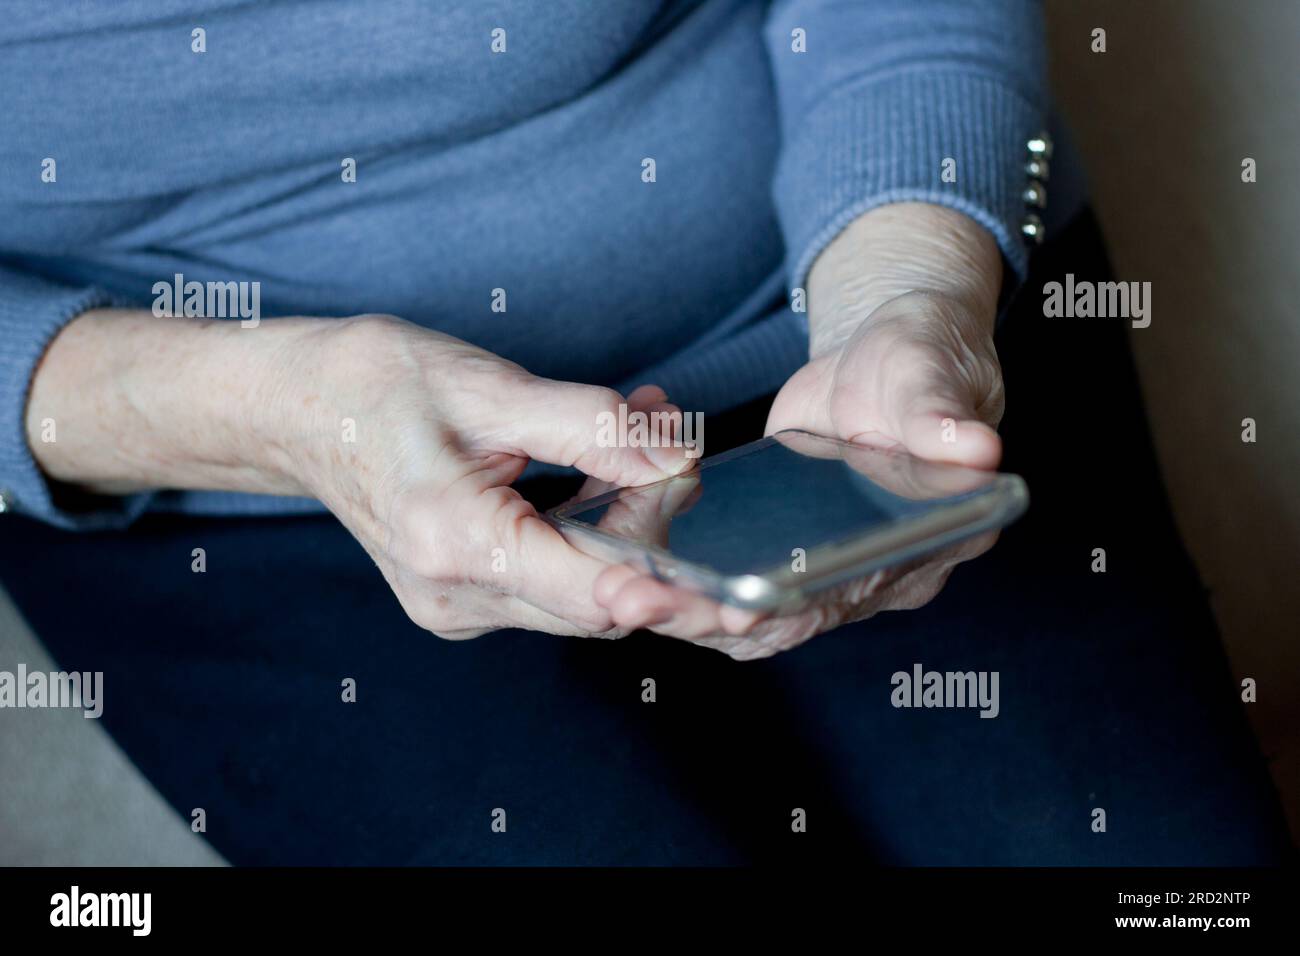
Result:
{"points": [[884, 140], [32, 312]]}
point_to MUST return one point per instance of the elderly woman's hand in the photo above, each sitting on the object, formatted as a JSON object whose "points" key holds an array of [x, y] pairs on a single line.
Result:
{"points": [[902, 306], [442, 430]]}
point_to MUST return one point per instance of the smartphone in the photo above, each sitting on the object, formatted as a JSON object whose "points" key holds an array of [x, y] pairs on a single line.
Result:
{"points": [[767, 525]]}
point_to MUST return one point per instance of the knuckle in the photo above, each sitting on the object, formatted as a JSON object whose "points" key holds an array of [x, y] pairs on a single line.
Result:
{"points": [[363, 334], [426, 614], [601, 398], [438, 615], [597, 622], [918, 595], [502, 508], [464, 634], [761, 647], [996, 405], [596, 403], [371, 322], [498, 520]]}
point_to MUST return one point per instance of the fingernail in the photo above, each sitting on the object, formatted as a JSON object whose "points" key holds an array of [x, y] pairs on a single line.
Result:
{"points": [[675, 494], [670, 459]]}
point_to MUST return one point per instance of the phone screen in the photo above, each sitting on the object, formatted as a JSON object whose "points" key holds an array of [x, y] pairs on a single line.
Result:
{"points": [[749, 510]]}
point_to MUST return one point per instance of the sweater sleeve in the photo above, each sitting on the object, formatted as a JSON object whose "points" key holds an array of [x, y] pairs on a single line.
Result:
{"points": [[32, 312], [928, 100]]}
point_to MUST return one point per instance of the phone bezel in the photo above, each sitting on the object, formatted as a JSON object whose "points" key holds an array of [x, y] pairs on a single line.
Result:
{"points": [[995, 505]]}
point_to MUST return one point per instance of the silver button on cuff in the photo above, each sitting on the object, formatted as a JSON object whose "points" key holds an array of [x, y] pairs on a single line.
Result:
{"points": [[6, 502], [1038, 169], [1031, 227], [1034, 194]]}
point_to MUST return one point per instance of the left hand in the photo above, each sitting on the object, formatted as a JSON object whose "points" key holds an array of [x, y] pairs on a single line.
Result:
{"points": [[921, 373], [902, 358]]}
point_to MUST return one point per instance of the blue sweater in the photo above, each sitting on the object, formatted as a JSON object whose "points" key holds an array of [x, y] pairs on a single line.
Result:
{"points": [[521, 169]]}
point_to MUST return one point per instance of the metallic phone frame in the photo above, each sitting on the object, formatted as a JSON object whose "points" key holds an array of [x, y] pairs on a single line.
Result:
{"points": [[781, 588]]}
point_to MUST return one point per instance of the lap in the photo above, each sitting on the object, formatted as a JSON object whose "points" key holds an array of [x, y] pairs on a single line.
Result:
{"points": [[226, 687]]}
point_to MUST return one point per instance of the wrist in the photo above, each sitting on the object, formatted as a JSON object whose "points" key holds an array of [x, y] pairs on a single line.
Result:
{"points": [[143, 402], [280, 427], [225, 405], [898, 249]]}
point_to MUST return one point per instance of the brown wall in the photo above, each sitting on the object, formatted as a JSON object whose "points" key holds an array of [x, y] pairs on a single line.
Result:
{"points": [[1185, 91]]}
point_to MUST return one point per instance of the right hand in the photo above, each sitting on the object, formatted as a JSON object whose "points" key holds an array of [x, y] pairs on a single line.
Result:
{"points": [[441, 430]]}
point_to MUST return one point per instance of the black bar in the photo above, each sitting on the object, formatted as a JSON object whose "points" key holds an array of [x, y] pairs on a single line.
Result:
{"points": [[373, 905]]}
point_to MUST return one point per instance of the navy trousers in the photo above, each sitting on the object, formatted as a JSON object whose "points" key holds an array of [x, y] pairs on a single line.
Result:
{"points": [[225, 687]]}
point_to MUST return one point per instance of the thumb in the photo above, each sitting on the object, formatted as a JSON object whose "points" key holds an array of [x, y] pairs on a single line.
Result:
{"points": [[941, 427], [587, 427]]}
